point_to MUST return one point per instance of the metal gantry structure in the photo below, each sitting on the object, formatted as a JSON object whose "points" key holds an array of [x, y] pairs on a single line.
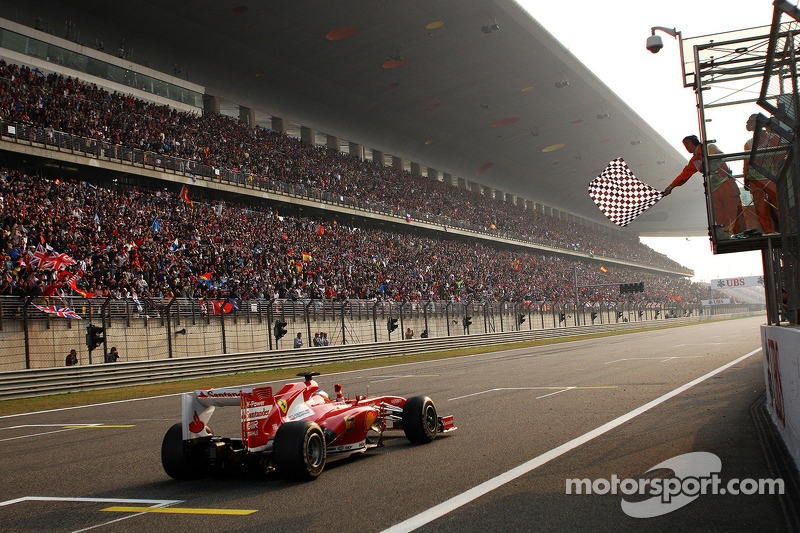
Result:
{"points": [[741, 75]]}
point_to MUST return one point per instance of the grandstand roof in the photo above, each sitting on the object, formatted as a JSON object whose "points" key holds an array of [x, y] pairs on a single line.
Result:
{"points": [[431, 82]]}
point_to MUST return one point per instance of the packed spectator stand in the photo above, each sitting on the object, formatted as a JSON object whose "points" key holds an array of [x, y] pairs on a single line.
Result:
{"points": [[150, 242]]}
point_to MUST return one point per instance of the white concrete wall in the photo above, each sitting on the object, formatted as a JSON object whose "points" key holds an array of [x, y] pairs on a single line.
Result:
{"points": [[781, 349]]}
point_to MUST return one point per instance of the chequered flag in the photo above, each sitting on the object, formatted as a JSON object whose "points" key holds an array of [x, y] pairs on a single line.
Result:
{"points": [[620, 195]]}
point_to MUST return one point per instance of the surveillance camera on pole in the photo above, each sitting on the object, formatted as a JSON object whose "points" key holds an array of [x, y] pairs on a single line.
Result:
{"points": [[654, 42]]}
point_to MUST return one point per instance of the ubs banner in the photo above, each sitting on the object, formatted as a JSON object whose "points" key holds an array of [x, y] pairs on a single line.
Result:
{"points": [[733, 283], [781, 351]]}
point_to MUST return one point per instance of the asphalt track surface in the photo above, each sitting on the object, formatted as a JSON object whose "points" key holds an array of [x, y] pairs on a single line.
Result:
{"points": [[528, 420]]}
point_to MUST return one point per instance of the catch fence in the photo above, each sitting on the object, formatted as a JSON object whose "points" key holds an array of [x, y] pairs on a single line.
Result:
{"points": [[153, 329]]}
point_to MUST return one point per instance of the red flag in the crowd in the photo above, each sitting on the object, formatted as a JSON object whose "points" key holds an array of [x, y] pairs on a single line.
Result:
{"points": [[50, 290], [320, 230], [185, 196], [603, 269], [73, 284]]}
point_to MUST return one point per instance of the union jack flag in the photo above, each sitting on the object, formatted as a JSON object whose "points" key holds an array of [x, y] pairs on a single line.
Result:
{"points": [[63, 312], [39, 257], [57, 261]]}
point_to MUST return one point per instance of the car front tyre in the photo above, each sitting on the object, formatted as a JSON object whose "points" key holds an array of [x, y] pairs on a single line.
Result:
{"points": [[420, 422]]}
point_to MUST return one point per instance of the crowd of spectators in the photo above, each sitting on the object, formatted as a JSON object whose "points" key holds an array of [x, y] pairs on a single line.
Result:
{"points": [[57, 103], [132, 241]]}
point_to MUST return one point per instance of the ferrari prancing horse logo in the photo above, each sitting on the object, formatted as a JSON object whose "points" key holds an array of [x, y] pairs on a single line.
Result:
{"points": [[283, 405]]}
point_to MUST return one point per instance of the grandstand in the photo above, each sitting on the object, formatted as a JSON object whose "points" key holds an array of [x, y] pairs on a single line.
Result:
{"points": [[48, 104], [149, 199]]}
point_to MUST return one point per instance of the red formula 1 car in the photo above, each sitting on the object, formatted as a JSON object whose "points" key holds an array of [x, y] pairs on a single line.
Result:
{"points": [[294, 431]]}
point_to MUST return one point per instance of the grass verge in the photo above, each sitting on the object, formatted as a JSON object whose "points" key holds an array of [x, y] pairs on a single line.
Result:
{"points": [[73, 399]]}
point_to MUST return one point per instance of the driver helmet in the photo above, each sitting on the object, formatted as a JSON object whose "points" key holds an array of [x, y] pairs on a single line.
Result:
{"points": [[323, 394]]}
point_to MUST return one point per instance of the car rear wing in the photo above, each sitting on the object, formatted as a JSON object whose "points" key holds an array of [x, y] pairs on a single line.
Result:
{"points": [[198, 406]]}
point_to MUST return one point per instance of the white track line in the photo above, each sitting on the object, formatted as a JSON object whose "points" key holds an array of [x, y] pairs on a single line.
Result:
{"points": [[556, 392], [484, 488], [91, 500], [153, 503]]}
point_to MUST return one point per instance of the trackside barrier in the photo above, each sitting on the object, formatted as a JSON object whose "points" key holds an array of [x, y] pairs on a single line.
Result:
{"points": [[780, 348], [58, 380]]}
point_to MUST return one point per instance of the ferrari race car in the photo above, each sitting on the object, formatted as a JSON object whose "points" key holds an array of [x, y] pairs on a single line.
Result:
{"points": [[294, 431]]}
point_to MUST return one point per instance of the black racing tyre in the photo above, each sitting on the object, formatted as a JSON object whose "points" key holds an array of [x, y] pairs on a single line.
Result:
{"points": [[299, 451], [178, 461], [420, 422]]}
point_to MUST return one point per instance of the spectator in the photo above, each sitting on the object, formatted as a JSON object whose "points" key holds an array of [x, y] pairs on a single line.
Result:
{"points": [[72, 358], [298, 341], [409, 333], [113, 355], [317, 340], [211, 252]]}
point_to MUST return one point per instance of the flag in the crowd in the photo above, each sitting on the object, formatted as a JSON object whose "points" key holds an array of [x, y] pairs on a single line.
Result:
{"points": [[139, 307], [206, 276], [620, 195], [50, 290], [306, 257], [320, 230], [156, 225], [73, 284], [174, 246], [185, 196], [96, 218], [492, 226], [39, 257], [58, 261], [63, 312], [603, 269], [408, 217], [218, 307]]}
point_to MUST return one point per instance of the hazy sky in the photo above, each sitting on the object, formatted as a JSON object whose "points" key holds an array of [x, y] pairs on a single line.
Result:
{"points": [[609, 38]]}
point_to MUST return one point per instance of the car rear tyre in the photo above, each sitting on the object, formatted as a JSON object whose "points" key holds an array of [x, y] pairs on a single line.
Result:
{"points": [[299, 452], [420, 422], [178, 459]]}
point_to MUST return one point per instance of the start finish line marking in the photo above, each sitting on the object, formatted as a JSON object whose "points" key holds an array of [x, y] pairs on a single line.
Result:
{"points": [[179, 510]]}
